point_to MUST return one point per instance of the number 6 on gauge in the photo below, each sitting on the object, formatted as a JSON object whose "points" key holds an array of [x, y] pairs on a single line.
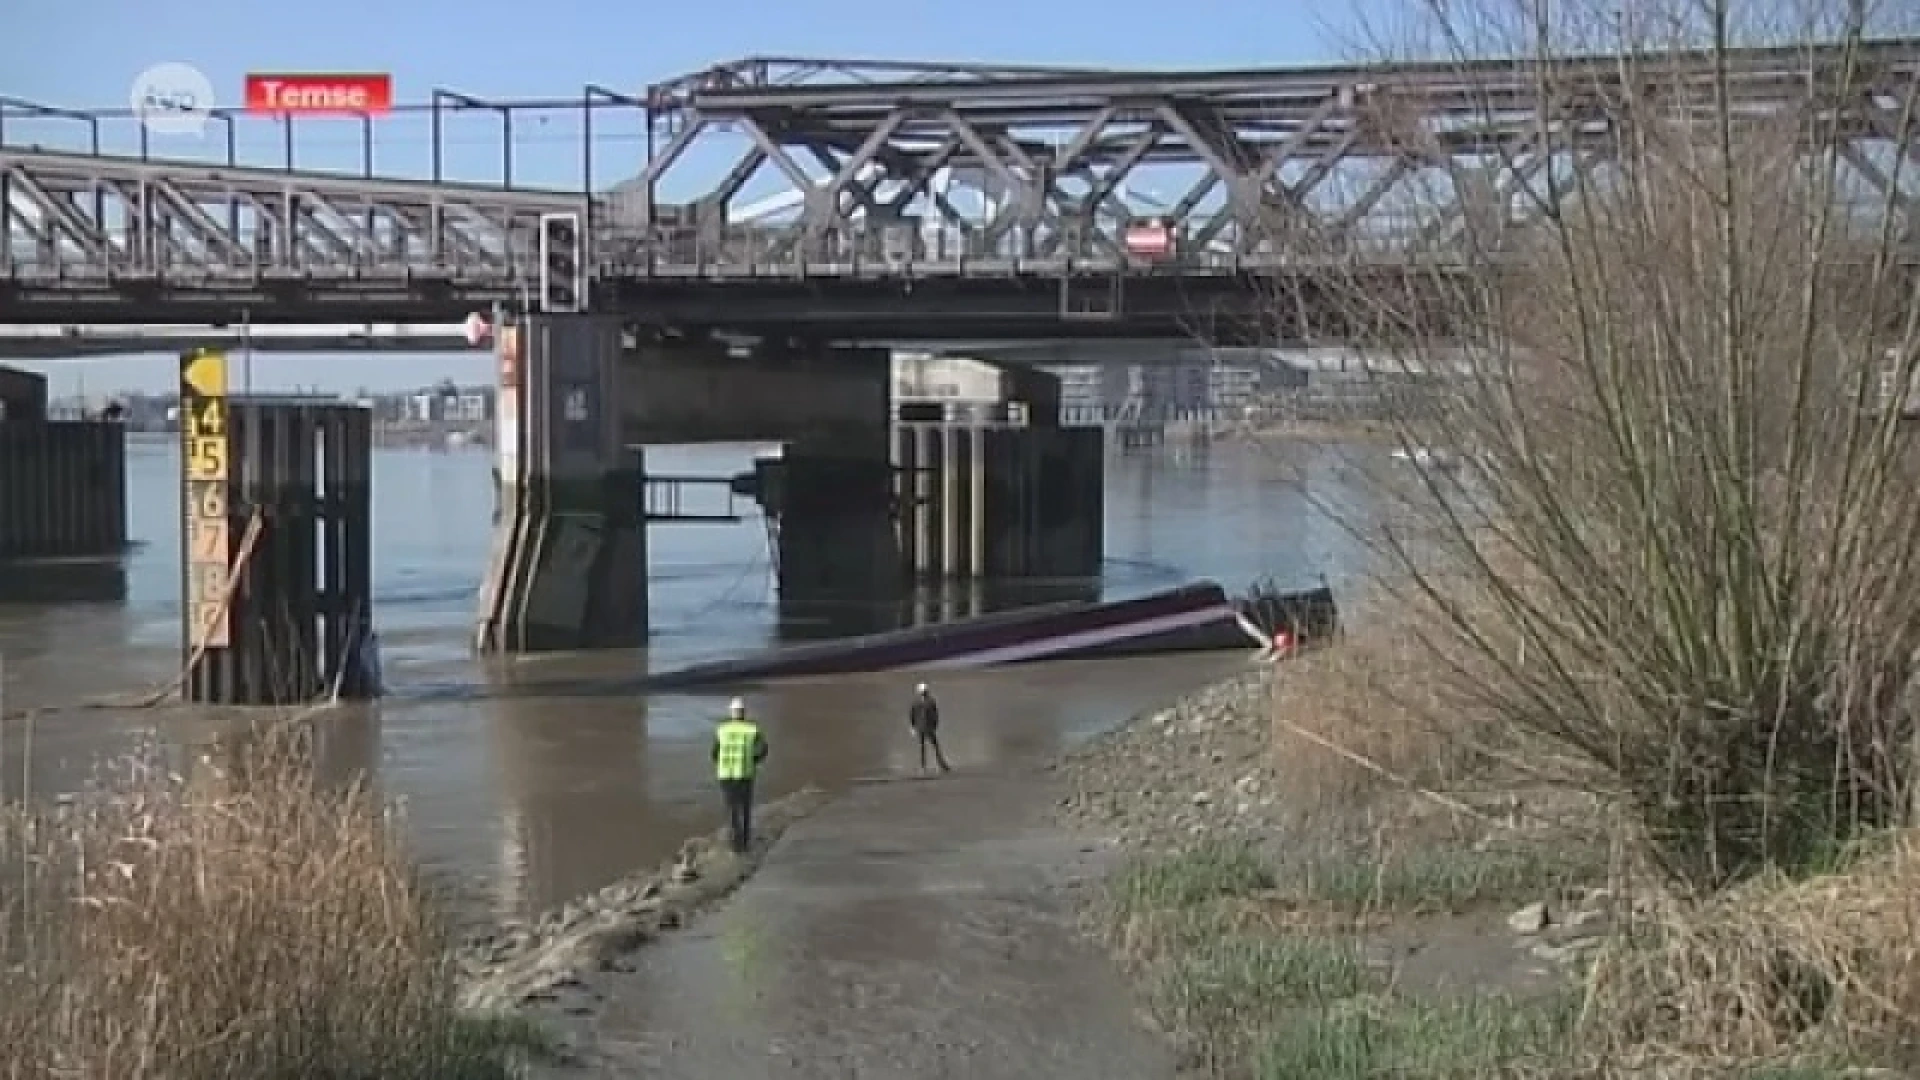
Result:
{"points": [[212, 501]]}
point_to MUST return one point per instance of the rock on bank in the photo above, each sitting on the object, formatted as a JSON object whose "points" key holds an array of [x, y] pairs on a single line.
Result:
{"points": [[1195, 767]]}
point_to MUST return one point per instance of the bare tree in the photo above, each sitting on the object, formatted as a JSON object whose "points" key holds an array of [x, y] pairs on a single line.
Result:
{"points": [[1686, 542]]}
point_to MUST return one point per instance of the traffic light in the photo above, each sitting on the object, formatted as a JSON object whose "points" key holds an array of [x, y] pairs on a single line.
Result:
{"points": [[563, 278]]}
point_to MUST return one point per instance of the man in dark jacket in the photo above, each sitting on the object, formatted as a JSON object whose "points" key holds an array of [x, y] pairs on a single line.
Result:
{"points": [[924, 719]]}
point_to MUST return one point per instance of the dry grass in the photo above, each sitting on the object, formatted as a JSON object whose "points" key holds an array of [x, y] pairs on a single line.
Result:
{"points": [[1798, 975], [1777, 976], [1775, 971], [256, 928], [1373, 715]]}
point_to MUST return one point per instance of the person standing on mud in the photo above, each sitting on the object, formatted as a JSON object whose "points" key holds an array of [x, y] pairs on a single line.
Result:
{"points": [[738, 750], [924, 718]]}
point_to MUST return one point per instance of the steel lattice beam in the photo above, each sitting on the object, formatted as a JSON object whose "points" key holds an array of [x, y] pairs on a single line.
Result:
{"points": [[1273, 167], [98, 216], [899, 172], [763, 72]]}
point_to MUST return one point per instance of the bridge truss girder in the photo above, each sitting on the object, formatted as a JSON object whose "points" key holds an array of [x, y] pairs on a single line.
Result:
{"points": [[1280, 166], [1024, 180], [76, 218]]}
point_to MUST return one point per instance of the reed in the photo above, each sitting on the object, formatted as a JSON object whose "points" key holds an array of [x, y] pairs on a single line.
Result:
{"points": [[230, 922]]}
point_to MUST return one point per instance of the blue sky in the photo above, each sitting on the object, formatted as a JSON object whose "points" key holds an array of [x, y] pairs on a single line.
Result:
{"points": [[88, 54]]}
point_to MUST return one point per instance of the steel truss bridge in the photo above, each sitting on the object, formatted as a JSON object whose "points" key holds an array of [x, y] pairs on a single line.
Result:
{"points": [[919, 200]]}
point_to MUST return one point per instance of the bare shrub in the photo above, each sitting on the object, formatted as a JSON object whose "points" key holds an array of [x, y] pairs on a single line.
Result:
{"points": [[260, 927], [1685, 546]]}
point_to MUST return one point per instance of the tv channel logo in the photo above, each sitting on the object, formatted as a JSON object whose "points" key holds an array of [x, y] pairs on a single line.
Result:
{"points": [[173, 99]]}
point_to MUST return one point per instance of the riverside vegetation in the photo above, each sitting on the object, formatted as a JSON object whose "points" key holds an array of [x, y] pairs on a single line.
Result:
{"points": [[247, 921], [1618, 780], [257, 925], [1616, 775], [1325, 882]]}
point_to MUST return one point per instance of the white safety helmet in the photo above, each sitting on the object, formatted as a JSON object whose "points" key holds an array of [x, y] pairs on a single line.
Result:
{"points": [[921, 689], [737, 707]]}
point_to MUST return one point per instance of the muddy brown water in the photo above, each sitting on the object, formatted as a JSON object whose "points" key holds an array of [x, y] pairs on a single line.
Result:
{"points": [[529, 783]]}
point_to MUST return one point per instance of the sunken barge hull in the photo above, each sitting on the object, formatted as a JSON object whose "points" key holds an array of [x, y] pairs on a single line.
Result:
{"points": [[1194, 618]]}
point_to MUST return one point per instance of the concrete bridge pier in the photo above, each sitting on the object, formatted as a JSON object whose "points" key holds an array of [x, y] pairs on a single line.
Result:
{"points": [[568, 569], [830, 495], [1000, 493], [837, 549]]}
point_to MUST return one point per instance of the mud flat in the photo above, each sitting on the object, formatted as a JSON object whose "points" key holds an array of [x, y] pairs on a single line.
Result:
{"points": [[911, 928], [542, 963]]}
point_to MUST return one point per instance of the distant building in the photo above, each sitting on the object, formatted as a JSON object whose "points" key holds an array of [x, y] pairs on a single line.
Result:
{"points": [[929, 387], [450, 406], [1190, 383]]}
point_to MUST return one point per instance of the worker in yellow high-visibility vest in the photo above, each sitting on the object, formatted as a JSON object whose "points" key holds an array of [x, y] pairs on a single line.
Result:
{"points": [[738, 750]]}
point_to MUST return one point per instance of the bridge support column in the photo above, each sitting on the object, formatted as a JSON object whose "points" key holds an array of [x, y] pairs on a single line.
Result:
{"points": [[838, 552], [831, 493], [568, 569], [1001, 503]]}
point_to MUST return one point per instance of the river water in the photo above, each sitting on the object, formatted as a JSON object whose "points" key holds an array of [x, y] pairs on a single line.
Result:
{"points": [[528, 782]]}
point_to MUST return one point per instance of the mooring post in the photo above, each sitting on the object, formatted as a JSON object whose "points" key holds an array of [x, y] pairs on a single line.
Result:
{"points": [[568, 567], [277, 559]]}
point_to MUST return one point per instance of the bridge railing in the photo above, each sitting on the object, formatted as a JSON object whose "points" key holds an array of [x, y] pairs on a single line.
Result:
{"points": [[126, 255], [886, 250]]}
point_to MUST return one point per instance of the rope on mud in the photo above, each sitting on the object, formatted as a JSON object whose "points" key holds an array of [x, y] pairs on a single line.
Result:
{"points": [[249, 541], [1389, 775]]}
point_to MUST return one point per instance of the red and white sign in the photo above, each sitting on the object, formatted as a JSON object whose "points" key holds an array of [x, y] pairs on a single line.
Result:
{"points": [[1149, 240], [319, 95]]}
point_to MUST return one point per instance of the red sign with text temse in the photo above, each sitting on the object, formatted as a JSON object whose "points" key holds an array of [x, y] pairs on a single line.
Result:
{"points": [[309, 95]]}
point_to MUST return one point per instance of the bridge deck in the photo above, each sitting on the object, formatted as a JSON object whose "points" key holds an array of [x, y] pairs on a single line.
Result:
{"points": [[1069, 196]]}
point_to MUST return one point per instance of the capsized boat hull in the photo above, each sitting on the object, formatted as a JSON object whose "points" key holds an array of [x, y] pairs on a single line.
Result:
{"points": [[1192, 618]]}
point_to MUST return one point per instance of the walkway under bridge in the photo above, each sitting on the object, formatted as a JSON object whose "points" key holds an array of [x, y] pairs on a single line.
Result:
{"points": [[882, 200]]}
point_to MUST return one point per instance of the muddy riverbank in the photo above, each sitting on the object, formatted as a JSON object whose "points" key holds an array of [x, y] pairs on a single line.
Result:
{"points": [[542, 962], [859, 939], [908, 927], [912, 928], [1272, 930], [979, 925]]}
